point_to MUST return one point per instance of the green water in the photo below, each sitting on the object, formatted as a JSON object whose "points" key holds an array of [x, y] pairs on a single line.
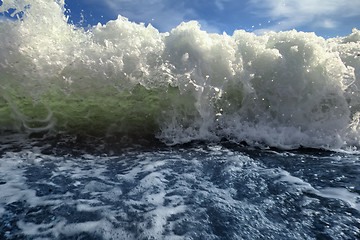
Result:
{"points": [[106, 111]]}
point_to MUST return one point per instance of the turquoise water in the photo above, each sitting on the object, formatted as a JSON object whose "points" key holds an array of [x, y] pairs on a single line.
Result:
{"points": [[119, 131]]}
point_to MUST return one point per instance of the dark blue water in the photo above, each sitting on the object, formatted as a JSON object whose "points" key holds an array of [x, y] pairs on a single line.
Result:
{"points": [[189, 89], [94, 190]]}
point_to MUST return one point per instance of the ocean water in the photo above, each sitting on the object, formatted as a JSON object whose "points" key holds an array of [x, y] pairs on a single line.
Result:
{"points": [[118, 131], [193, 191]]}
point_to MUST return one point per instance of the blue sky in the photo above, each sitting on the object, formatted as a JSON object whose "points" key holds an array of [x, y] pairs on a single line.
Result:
{"points": [[327, 18]]}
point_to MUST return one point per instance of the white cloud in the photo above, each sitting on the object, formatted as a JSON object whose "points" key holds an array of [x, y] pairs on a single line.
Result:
{"points": [[294, 13], [328, 23], [220, 4], [163, 14], [155, 12]]}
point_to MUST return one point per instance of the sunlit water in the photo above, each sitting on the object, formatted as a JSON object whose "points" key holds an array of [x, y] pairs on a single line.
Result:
{"points": [[118, 131]]}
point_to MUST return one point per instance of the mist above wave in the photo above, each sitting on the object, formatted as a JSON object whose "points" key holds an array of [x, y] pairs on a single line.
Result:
{"points": [[285, 89]]}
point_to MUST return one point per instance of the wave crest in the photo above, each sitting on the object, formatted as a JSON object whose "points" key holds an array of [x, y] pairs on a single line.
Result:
{"points": [[285, 89]]}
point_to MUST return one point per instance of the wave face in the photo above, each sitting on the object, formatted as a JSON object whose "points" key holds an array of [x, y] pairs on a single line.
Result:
{"points": [[285, 89]]}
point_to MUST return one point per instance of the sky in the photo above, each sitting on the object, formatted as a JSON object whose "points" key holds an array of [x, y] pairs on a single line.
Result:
{"points": [[327, 18]]}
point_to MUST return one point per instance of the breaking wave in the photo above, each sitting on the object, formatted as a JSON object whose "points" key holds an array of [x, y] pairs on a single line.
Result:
{"points": [[285, 90]]}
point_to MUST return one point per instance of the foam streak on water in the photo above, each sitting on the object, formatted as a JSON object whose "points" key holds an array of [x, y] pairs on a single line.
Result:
{"points": [[285, 90], [79, 106], [196, 192]]}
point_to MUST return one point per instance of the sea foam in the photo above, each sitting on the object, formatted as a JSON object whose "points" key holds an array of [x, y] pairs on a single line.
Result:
{"points": [[286, 89]]}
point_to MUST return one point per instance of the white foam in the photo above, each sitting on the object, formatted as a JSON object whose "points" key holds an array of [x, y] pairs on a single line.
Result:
{"points": [[343, 194], [285, 89], [15, 188], [166, 194], [352, 199]]}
